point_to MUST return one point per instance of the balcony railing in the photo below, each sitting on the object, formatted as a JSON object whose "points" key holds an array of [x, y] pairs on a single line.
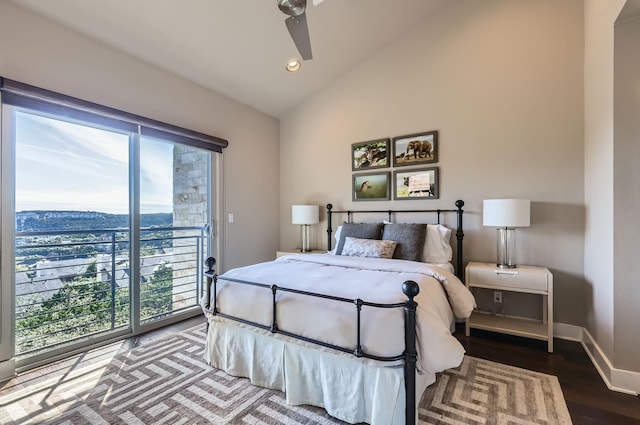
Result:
{"points": [[75, 284]]}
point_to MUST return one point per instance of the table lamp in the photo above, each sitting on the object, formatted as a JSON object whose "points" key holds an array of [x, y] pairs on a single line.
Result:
{"points": [[506, 214], [305, 215]]}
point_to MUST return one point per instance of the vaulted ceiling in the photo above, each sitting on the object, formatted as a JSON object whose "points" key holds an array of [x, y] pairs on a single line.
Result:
{"points": [[239, 48]]}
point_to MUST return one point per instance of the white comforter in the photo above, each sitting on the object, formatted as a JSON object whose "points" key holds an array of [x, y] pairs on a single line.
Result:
{"points": [[441, 297]]}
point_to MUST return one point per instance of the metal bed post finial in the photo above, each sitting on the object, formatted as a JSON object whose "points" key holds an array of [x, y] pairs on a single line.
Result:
{"points": [[210, 274], [212, 278]]}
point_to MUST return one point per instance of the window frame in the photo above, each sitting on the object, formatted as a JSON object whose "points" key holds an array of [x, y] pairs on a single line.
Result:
{"points": [[20, 96]]}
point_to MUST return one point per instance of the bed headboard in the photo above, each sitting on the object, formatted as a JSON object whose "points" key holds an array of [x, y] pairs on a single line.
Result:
{"points": [[459, 266]]}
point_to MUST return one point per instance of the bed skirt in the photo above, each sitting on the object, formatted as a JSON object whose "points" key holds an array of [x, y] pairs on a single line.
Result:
{"points": [[346, 387]]}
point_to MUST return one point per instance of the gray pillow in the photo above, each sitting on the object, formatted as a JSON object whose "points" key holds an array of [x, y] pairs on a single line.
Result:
{"points": [[360, 231], [410, 238]]}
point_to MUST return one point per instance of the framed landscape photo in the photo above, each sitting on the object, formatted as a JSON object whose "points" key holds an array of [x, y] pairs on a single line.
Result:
{"points": [[414, 149], [419, 183], [371, 186], [372, 154]]}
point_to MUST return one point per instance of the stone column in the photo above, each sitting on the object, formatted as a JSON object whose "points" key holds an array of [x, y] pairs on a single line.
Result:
{"points": [[190, 208]]}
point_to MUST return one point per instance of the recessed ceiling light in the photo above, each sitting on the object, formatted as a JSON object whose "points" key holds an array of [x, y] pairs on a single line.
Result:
{"points": [[293, 65]]}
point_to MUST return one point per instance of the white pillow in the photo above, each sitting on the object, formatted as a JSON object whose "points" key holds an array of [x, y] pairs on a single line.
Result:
{"points": [[373, 248], [437, 245], [337, 237]]}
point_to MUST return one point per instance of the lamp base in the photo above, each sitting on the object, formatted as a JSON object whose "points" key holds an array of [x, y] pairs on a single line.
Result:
{"points": [[304, 233], [506, 248]]}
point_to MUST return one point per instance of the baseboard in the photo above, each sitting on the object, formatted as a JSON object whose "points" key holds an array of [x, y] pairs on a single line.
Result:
{"points": [[568, 332], [620, 380], [7, 369]]}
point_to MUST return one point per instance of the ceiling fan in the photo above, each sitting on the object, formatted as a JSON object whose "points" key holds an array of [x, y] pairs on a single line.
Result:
{"points": [[297, 24]]}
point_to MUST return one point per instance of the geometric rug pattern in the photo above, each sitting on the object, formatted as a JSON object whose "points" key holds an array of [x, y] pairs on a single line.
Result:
{"points": [[168, 382], [484, 392], [162, 382]]}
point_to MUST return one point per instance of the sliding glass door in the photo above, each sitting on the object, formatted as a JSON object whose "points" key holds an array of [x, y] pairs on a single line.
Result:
{"points": [[71, 231], [174, 186], [111, 229]]}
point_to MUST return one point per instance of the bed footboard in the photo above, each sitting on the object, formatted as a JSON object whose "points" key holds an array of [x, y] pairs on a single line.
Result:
{"points": [[408, 356]]}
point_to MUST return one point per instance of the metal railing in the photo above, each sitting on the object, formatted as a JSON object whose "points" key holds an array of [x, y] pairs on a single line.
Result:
{"points": [[75, 284]]}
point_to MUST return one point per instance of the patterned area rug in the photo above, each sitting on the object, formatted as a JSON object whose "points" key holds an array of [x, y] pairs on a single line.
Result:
{"points": [[484, 392], [167, 382]]}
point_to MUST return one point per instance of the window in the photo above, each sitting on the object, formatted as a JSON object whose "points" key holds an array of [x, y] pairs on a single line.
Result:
{"points": [[111, 221]]}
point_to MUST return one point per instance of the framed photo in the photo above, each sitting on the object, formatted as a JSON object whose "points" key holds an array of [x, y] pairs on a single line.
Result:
{"points": [[419, 183], [371, 186], [373, 154], [414, 149]]}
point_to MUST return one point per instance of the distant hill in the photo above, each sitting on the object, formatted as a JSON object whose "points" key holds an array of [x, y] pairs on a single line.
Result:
{"points": [[38, 220]]}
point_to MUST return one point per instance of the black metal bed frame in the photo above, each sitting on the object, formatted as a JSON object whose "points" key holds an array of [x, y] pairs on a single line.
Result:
{"points": [[409, 288]]}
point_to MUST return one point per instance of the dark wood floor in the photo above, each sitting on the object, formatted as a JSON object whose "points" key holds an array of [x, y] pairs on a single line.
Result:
{"points": [[589, 400]]}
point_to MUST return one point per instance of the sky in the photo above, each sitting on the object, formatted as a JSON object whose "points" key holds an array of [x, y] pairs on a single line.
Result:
{"points": [[64, 166]]}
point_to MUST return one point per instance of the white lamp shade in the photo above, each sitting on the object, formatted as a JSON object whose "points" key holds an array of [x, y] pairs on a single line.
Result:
{"points": [[506, 212], [305, 214]]}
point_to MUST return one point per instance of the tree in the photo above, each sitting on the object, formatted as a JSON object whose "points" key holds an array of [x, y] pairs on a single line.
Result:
{"points": [[156, 295], [84, 305]]}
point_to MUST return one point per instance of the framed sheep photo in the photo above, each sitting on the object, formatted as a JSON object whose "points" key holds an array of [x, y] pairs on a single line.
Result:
{"points": [[371, 186], [414, 149], [372, 154], [419, 183]]}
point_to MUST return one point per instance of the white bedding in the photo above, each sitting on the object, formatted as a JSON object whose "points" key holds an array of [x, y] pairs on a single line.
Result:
{"points": [[442, 296], [447, 266], [311, 374], [346, 387]]}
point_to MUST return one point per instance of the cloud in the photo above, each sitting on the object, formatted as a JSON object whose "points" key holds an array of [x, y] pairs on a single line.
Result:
{"points": [[61, 165]]}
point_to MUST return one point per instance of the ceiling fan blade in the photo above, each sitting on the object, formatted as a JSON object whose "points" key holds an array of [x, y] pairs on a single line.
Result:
{"points": [[297, 26]]}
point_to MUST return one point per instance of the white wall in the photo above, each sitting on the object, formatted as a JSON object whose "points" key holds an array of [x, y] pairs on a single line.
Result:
{"points": [[502, 82], [598, 92], [626, 175], [38, 51]]}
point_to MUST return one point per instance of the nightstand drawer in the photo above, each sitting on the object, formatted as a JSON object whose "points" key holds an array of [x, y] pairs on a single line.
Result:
{"points": [[514, 279]]}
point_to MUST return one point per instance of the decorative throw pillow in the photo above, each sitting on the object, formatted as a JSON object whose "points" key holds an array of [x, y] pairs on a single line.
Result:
{"points": [[372, 248], [437, 247], [359, 230], [410, 238]]}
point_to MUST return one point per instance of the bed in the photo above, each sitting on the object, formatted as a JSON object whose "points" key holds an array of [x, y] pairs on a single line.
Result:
{"points": [[360, 331]]}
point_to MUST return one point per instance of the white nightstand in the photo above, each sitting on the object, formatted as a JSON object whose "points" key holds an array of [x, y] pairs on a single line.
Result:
{"points": [[527, 279], [297, 251]]}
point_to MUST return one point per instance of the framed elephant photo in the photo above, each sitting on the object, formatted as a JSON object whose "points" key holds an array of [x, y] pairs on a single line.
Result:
{"points": [[414, 149]]}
